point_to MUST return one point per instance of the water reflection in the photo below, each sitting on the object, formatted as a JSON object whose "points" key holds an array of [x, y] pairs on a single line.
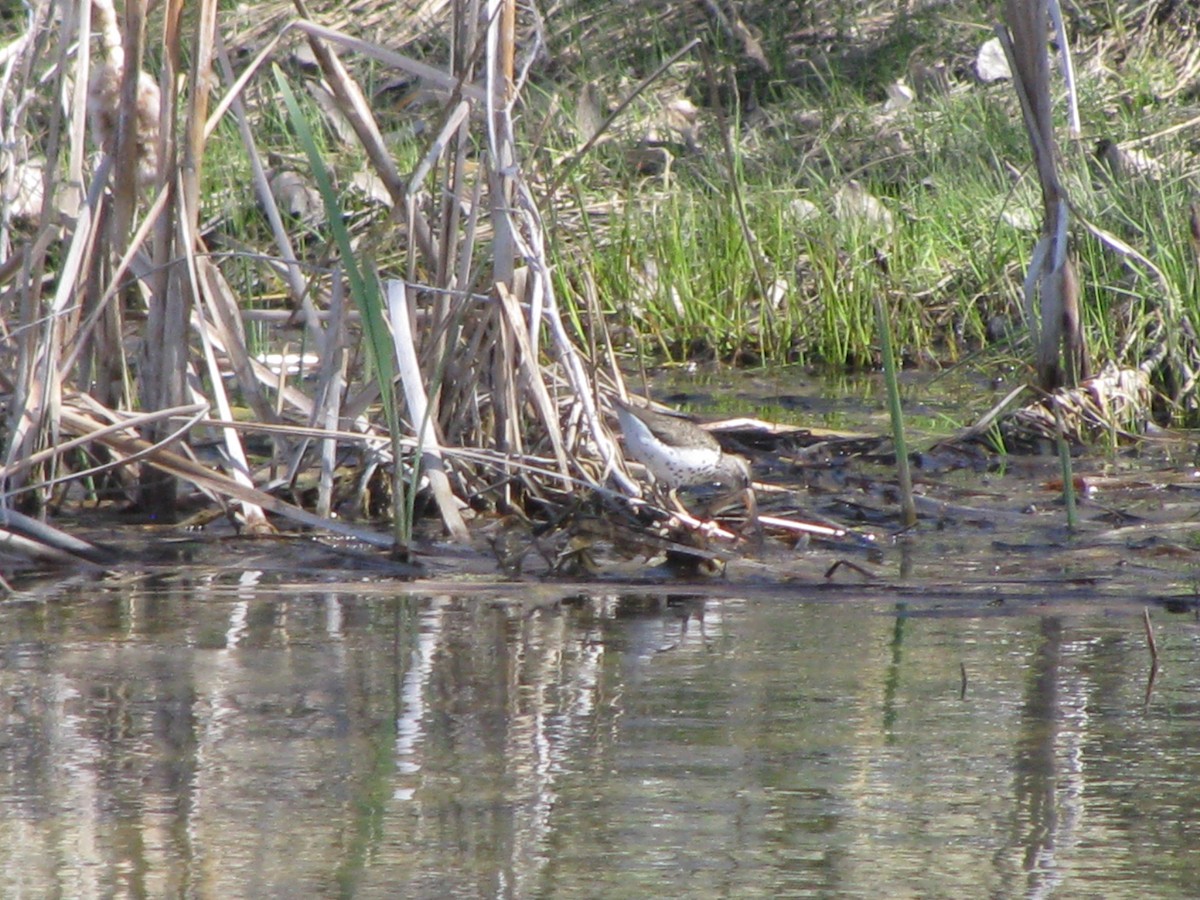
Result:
{"points": [[208, 738]]}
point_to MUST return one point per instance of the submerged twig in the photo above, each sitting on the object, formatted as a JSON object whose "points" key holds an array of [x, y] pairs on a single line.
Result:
{"points": [[854, 567], [1153, 645], [1150, 642]]}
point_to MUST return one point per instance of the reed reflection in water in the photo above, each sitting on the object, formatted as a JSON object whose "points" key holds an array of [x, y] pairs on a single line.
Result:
{"points": [[208, 739]]}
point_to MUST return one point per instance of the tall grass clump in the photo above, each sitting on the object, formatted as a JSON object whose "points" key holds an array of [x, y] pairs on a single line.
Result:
{"points": [[952, 169]]}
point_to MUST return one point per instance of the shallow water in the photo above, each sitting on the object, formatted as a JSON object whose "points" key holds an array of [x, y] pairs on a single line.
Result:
{"points": [[239, 737]]}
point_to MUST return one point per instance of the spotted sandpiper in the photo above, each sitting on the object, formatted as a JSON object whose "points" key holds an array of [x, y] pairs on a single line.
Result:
{"points": [[679, 453]]}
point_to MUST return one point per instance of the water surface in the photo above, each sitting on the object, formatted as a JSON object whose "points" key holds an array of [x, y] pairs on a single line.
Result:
{"points": [[239, 736]]}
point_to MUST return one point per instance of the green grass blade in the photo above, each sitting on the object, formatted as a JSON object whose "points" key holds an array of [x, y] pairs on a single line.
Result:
{"points": [[367, 298]]}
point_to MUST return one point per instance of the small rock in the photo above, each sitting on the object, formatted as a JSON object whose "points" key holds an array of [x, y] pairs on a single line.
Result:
{"points": [[853, 205], [991, 65], [802, 211], [900, 95]]}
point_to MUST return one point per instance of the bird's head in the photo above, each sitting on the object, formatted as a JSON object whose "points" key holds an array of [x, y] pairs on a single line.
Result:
{"points": [[733, 471]]}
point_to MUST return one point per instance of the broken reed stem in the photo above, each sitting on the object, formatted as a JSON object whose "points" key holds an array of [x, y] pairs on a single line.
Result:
{"points": [[1153, 645], [1150, 642], [962, 692]]}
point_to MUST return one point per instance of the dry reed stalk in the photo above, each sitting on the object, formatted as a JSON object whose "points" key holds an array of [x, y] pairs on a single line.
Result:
{"points": [[71, 193], [376, 447], [453, 314], [574, 370], [170, 290], [443, 81], [353, 105], [162, 362], [133, 138], [507, 433], [191, 415], [136, 261], [31, 538], [518, 229], [463, 411], [255, 518], [454, 128], [290, 270], [480, 360], [501, 146], [456, 133], [123, 443], [327, 404], [429, 452], [201, 80], [210, 291], [526, 358], [15, 65], [459, 323], [36, 332], [220, 317], [1051, 283]]}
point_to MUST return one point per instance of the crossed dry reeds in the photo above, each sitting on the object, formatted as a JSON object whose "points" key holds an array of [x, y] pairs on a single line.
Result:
{"points": [[115, 301]]}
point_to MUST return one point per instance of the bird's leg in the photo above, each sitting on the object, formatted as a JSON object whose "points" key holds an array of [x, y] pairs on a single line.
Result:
{"points": [[748, 497], [753, 522], [673, 497], [667, 498]]}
